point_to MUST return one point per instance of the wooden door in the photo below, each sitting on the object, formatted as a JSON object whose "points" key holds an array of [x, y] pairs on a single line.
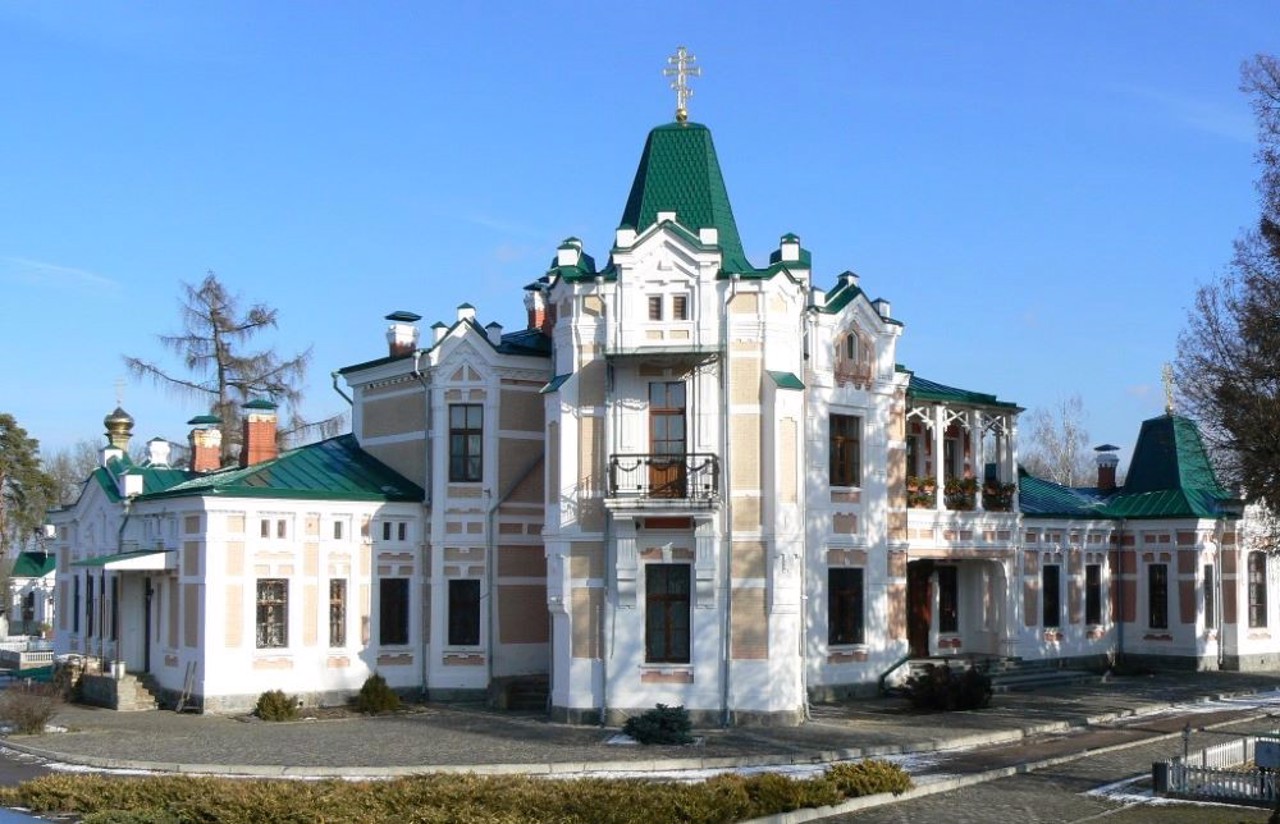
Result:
{"points": [[919, 607]]}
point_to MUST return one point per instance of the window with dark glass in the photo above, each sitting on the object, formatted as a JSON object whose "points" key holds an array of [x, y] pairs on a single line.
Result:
{"points": [[1158, 596], [466, 431], [337, 612], [1210, 606], [666, 618], [393, 611], [948, 600], [655, 307], [464, 612], [680, 307], [846, 450], [1257, 589], [1093, 594], [75, 604], [844, 607], [1051, 596], [88, 608], [273, 613]]}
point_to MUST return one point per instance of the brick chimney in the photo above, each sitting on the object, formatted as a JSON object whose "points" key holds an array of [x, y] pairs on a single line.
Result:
{"points": [[206, 443], [402, 335], [259, 442], [542, 315], [1108, 460]]}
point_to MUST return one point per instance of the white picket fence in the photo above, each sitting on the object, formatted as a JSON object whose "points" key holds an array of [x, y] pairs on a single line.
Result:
{"points": [[1218, 773]]}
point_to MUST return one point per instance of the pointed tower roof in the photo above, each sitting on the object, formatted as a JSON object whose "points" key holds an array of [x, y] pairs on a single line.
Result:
{"points": [[1170, 475], [679, 172]]}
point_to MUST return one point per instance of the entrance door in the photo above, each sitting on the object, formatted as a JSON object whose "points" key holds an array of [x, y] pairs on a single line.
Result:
{"points": [[919, 607], [667, 440]]}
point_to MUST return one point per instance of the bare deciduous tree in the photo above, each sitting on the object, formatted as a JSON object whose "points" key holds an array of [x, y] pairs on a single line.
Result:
{"points": [[1228, 365], [1058, 443], [220, 372]]}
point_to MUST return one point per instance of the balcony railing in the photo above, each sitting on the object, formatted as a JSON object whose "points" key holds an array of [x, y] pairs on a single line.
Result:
{"points": [[692, 476], [959, 494]]}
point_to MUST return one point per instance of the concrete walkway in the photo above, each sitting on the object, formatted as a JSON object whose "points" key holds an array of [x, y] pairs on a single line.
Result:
{"points": [[438, 737]]}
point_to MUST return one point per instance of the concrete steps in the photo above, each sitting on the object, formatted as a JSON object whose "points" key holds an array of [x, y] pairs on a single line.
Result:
{"points": [[1014, 674], [134, 696]]}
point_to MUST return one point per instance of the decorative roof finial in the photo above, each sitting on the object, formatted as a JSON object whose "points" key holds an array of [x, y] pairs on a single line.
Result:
{"points": [[680, 66], [1166, 374]]}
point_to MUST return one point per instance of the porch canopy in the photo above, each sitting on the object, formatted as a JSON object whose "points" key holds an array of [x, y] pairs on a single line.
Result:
{"points": [[141, 559]]}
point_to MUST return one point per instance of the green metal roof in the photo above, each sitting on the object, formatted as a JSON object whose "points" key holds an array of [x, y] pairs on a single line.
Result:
{"points": [[260, 403], [786, 380], [839, 297], [1036, 496], [679, 172], [333, 469], [926, 390], [33, 565], [154, 479], [555, 383], [1170, 475]]}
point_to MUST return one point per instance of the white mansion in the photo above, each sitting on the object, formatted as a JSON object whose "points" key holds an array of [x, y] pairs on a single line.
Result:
{"points": [[691, 479]]}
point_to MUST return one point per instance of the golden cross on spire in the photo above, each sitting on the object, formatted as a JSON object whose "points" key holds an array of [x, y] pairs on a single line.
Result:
{"points": [[1166, 375], [680, 66]]}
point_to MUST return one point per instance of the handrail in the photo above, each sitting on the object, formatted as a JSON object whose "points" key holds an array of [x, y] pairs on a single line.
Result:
{"points": [[692, 475], [884, 676]]}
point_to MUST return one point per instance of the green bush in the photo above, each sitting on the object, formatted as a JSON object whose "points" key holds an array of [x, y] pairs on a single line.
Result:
{"points": [[462, 799], [660, 725], [376, 697], [870, 777], [130, 817], [28, 707], [274, 705], [940, 688]]}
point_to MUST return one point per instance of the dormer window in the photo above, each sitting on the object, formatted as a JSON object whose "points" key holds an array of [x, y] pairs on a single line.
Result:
{"points": [[855, 356]]}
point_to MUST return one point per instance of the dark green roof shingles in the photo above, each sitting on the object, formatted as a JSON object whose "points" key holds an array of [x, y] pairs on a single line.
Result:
{"points": [[679, 172], [334, 469]]}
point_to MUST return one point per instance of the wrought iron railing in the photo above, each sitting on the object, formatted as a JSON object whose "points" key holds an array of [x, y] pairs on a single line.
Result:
{"points": [[691, 476]]}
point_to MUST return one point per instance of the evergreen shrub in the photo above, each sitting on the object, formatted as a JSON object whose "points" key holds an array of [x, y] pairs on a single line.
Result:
{"points": [[941, 688], [376, 697], [274, 705], [660, 725]]}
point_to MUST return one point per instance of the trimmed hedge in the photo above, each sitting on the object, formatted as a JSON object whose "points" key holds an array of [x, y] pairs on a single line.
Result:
{"points": [[941, 688], [460, 799]]}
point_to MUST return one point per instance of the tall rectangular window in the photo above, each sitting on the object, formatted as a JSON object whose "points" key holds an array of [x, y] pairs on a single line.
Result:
{"points": [[655, 307], [464, 612], [1257, 589], [1051, 596], [1210, 606], [75, 604], [88, 607], [846, 450], [337, 612], [680, 307], [1093, 594], [948, 600], [1158, 596], [466, 434], [845, 607], [273, 613], [393, 611], [666, 616]]}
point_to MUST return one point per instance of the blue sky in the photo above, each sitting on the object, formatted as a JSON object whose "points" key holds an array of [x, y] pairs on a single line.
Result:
{"points": [[1037, 187]]}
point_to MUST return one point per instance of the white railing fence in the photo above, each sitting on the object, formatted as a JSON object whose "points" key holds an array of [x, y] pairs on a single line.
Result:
{"points": [[1223, 772]]}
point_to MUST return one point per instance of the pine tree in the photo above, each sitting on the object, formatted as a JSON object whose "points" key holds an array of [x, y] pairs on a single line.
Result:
{"points": [[26, 490]]}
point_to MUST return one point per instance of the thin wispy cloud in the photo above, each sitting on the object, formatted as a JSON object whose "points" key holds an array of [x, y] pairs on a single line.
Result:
{"points": [[497, 224], [1230, 122], [52, 275]]}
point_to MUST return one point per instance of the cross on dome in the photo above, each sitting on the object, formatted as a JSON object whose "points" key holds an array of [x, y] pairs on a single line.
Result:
{"points": [[680, 66]]}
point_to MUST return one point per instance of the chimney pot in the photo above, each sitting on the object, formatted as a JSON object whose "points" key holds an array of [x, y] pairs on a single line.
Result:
{"points": [[402, 334]]}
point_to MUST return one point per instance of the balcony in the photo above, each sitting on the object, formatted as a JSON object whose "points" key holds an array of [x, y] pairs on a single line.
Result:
{"points": [[959, 494], [684, 481]]}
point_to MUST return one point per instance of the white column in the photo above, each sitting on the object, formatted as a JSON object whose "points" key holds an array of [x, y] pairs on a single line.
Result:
{"points": [[939, 454]]}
